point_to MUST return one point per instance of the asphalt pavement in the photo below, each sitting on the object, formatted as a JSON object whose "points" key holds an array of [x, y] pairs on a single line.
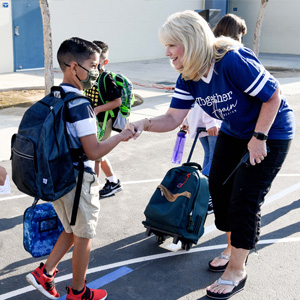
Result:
{"points": [[124, 261]]}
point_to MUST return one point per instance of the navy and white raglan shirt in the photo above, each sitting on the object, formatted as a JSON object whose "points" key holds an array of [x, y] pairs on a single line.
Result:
{"points": [[234, 91], [80, 121]]}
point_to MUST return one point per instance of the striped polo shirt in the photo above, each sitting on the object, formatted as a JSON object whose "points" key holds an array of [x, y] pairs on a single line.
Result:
{"points": [[80, 122]]}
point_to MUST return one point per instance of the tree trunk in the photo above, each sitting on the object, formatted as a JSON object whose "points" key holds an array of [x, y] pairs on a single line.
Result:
{"points": [[256, 42], [49, 78]]}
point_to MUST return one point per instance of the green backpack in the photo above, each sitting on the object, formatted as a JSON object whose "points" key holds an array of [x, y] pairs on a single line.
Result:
{"points": [[127, 98]]}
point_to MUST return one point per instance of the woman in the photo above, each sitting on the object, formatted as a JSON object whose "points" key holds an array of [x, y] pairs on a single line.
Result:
{"points": [[230, 84], [235, 27]]}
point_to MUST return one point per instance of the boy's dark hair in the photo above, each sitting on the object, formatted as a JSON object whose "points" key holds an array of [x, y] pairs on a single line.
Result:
{"points": [[230, 25], [103, 46], [75, 49]]}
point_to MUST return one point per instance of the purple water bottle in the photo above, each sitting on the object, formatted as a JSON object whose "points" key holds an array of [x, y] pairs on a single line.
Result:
{"points": [[179, 146]]}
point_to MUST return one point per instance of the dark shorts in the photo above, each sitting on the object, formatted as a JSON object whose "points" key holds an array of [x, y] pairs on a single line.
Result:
{"points": [[237, 204]]}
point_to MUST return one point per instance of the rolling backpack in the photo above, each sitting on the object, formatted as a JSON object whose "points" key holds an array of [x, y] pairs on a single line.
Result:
{"points": [[178, 206], [42, 166]]}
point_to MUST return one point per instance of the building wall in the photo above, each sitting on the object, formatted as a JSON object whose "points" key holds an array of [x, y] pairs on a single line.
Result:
{"points": [[129, 27], [218, 4], [280, 30], [6, 49]]}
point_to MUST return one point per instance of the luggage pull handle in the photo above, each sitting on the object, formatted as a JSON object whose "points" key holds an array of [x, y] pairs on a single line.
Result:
{"points": [[244, 160], [199, 129], [193, 164]]}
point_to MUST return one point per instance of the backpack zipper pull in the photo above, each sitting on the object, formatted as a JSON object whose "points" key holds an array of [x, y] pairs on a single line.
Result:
{"points": [[190, 223], [161, 191]]}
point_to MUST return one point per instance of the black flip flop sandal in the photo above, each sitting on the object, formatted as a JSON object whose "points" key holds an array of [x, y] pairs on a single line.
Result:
{"points": [[238, 286], [219, 268]]}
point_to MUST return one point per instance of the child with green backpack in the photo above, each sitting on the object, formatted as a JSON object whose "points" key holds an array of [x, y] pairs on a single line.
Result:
{"points": [[112, 97]]}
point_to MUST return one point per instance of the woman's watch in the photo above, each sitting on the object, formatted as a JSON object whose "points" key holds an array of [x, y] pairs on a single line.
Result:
{"points": [[260, 136]]}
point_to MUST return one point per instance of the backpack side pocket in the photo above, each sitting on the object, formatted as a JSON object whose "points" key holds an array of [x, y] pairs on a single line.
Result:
{"points": [[24, 165]]}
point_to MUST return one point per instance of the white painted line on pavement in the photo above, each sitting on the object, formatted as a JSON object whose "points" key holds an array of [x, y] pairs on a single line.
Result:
{"points": [[123, 183], [268, 200], [211, 228], [94, 284], [287, 175], [141, 181], [282, 193], [17, 292], [164, 255], [14, 197], [286, 191], [147, 258]]}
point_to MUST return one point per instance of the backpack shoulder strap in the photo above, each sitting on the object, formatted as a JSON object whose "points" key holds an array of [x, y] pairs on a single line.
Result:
{"points": [[69, 96], [66, 96], [59, 89], [77, 193], [102, 85], [119, 79]]}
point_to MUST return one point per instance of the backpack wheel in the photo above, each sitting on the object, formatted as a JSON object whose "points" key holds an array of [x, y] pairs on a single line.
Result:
{"points": [[160, 239], [175, 239], [148, 231], [186, 246]]}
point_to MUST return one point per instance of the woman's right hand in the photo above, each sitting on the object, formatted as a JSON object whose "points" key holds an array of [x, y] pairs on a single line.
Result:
{"points": [[136, 128], [185, 127], [164, 123]]}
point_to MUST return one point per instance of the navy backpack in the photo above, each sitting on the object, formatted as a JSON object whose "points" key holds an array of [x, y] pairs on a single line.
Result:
{"points": [[42, 166]]}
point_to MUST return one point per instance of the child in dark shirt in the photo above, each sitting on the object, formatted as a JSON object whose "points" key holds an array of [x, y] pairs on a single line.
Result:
{"points": [[111, 100]]}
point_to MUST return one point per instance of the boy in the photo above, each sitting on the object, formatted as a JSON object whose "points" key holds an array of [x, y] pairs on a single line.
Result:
{"points": [[78, 60], [112, 101]]}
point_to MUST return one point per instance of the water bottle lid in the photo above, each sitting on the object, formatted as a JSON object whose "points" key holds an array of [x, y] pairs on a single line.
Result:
{"points": [[182, 132]]}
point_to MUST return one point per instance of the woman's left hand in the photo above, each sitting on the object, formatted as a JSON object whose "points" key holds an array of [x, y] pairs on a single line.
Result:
{"points": [[213, 131], [257, 150]]}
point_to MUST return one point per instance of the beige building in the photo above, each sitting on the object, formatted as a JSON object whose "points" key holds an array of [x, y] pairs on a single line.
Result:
{"points": [[130, 27], [280, 28]]}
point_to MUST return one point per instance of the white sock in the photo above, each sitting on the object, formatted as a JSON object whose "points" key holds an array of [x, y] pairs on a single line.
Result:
{"points": [[113, 179]]}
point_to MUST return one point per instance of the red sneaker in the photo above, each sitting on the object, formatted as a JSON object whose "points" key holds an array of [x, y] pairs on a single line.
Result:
{"points": [[42, 282], [87, 294]]}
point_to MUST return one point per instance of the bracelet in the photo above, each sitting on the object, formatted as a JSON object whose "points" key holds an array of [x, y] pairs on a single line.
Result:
{"points": [[146, 129]]}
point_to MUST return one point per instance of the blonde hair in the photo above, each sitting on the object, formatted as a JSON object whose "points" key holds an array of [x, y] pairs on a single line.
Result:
{"points": [[201, 47]]}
